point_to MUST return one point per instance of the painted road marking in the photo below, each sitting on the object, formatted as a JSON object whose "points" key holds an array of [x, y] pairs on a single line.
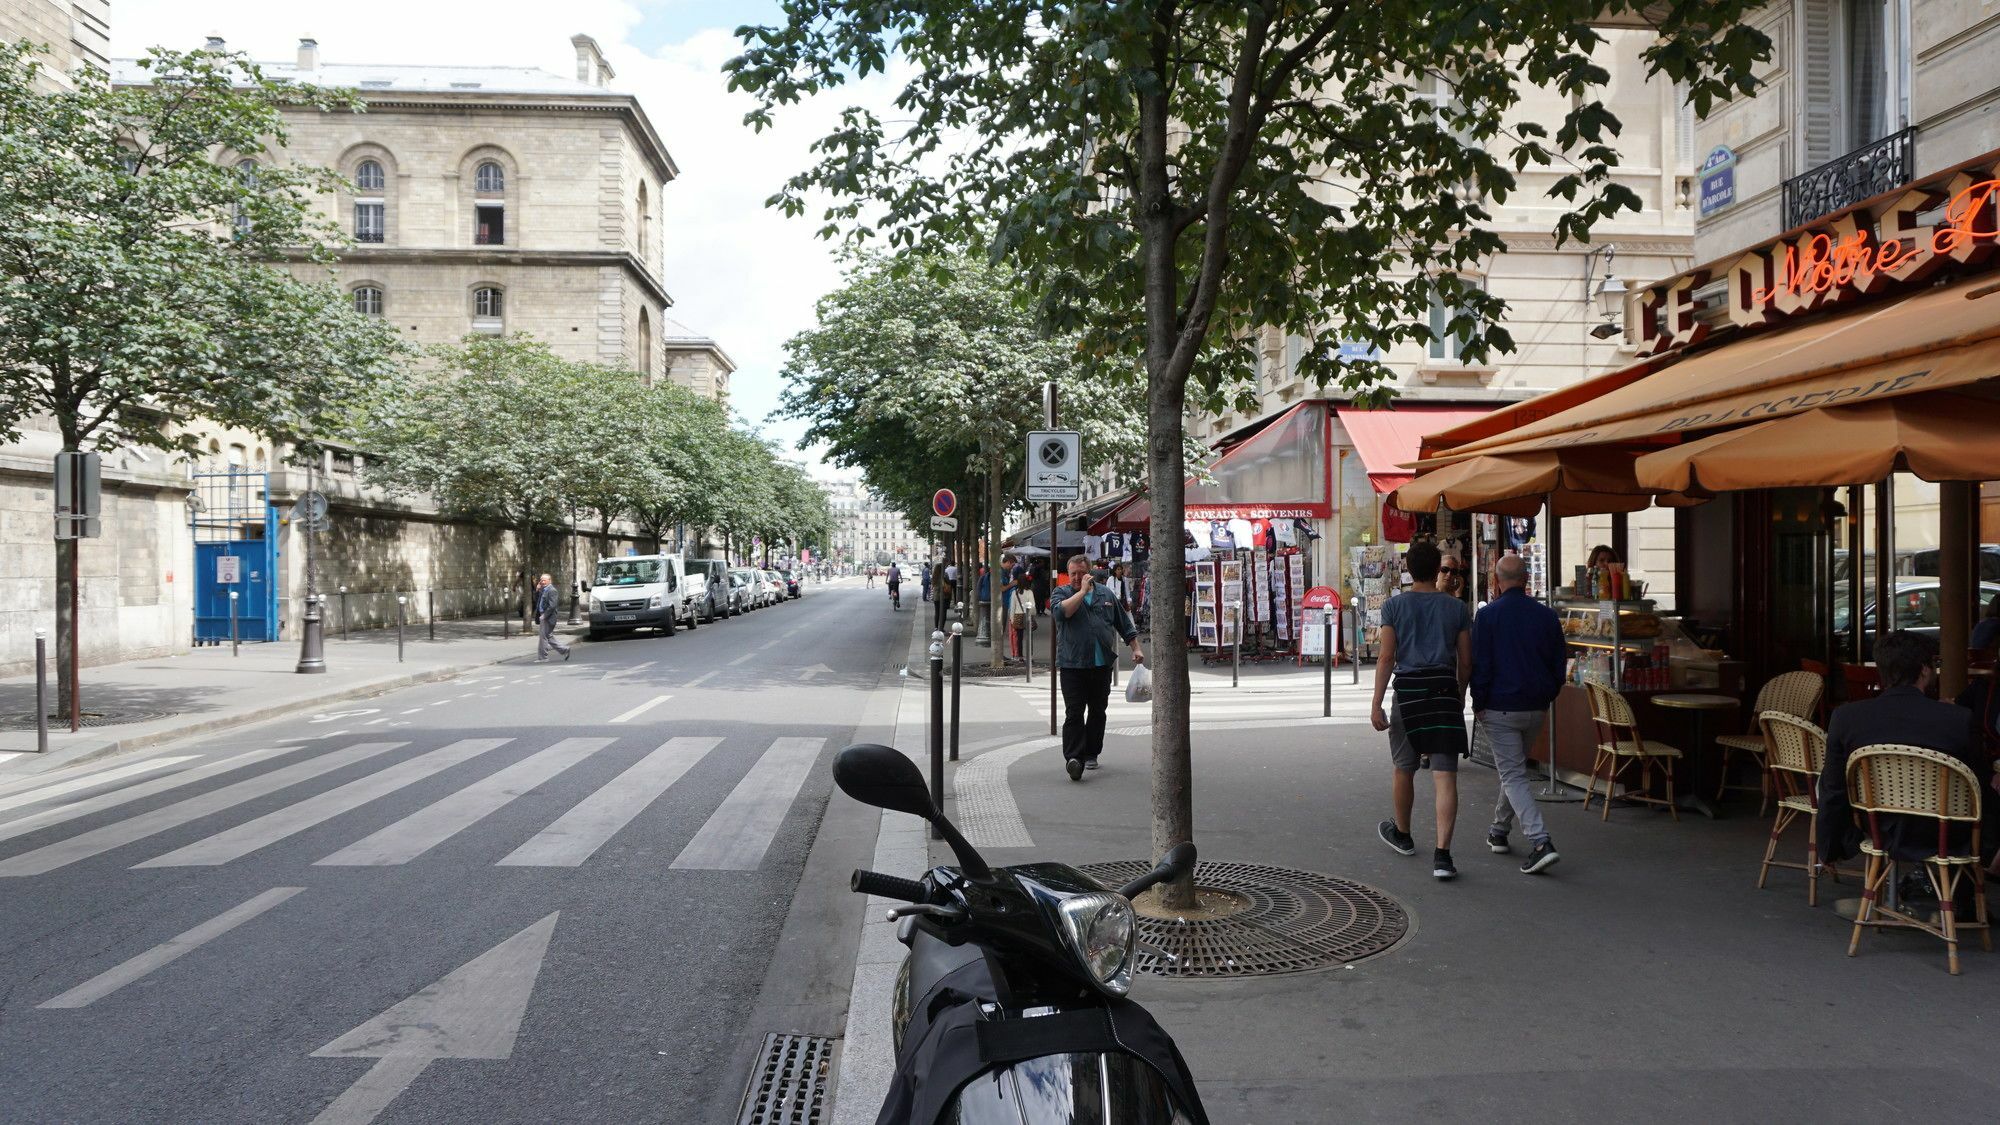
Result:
{"points": [[736, 836], [473, 1012], [432, 825], [642, 709], [237, 842], [578, 833], [173, 949], [76, 809], [34, 796], [746, 657], [702, 679], [62, 853]]}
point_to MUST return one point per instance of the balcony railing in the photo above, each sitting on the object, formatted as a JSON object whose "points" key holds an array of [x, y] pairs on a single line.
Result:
{"points": [[1870, 170]]}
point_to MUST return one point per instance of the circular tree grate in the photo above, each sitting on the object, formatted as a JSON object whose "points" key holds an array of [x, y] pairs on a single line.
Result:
{"points": [[1290, 922], [25, 720]]}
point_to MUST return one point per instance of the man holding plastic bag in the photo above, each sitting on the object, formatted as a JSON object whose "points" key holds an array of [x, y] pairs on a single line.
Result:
{"points": [[1090, 623]]}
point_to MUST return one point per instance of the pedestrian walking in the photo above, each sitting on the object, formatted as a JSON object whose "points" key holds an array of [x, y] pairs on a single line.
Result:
{"points": [[1090, 623], [1518, 654], [926, 579], [1427, 643], [545, 620]]}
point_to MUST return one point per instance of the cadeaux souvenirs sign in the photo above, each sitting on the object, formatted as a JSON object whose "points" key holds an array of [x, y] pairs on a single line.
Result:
{"points": [[1892, 243]]}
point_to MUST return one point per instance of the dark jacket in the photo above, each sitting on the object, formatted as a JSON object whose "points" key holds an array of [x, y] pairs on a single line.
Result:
{"points": [[1903, 716], [545, 601], [1089, 636], [1518, 654]]}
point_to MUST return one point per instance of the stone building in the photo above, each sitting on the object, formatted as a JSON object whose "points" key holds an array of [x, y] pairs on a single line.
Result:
{"points": [[695, 360], [867, 532], [72, 33]]}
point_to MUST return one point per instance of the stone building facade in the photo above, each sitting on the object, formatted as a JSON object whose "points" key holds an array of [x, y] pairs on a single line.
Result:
{"points": [[867, 532], [72, 33]]}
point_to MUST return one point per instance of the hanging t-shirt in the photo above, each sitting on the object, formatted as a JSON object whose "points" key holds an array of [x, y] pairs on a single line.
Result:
{"points": [[1093, 546], [1196, 534], [1239, 529], [1220, 536], [1114, 545], [1520, 531]]}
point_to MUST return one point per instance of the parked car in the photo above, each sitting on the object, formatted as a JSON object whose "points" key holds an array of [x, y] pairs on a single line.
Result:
{"points": [[716, 572], [741, 591], [792, 583], [1917, 608], [643, 592], [759, 589], [777, 582]]}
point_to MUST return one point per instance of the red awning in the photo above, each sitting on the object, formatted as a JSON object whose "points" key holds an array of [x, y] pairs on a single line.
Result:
{"points": [[1386, 439]]}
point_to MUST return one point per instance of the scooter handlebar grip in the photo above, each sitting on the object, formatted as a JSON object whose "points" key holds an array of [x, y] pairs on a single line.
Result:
{"points": [[887, 886]]}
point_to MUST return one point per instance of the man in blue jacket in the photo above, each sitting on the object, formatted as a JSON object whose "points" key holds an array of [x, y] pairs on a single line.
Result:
{"points": [[1518, 656]]}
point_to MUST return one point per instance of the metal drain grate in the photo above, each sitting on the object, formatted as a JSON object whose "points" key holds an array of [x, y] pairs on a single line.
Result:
{"points": [[788, 1085], [1295, 921], [25, 720]]}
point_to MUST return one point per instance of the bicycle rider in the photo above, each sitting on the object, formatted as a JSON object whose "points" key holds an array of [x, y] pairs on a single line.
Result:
{"points": [[895, 577]]}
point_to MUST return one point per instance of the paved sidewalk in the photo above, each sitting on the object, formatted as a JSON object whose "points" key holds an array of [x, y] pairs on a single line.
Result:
{"points": [[1645, 978], [209, 689]]}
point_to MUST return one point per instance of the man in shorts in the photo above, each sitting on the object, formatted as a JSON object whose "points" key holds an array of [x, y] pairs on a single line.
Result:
{"points": [[1427, 643]]}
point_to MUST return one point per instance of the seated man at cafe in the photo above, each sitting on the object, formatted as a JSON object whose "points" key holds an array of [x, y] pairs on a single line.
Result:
{"points": [[1905, 715]]}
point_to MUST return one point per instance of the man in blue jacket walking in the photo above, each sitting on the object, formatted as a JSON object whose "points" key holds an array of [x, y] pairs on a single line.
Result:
{"points": [[1518, 655]]}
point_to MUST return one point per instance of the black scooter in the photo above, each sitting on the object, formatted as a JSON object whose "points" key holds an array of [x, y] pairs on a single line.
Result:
{"points": [[1011, 1004]]}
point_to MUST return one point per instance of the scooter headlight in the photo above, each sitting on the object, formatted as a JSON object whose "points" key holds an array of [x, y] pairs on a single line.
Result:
{"points": [[1098, 929]]}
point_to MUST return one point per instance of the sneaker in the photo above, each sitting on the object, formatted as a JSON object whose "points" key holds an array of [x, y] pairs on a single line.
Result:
{"points": [[566, 653], [1497, 841], [1090, 764], [1441, 865], [1400, 841], [1075, 768], [1541, 859]]}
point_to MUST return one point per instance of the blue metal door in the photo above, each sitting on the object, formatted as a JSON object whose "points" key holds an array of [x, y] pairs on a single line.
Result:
{"points": [[235, 549]]}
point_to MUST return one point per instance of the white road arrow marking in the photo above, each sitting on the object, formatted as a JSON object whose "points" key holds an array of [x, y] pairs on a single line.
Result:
{"points": [[474, 1012], [809, 673]]}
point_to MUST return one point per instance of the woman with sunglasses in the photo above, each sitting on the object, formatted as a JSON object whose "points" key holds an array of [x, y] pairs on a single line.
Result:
{"points": [[1452, 576]]}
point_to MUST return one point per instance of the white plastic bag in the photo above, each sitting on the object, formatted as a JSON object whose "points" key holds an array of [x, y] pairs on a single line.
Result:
{"points": [[1139, 685]]}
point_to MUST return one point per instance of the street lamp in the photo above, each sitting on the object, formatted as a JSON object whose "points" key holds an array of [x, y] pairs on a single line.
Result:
{"points": [[1608, 294]]}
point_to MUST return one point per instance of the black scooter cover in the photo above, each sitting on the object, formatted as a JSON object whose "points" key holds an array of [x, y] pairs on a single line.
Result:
{"points": [[948, 1045]]}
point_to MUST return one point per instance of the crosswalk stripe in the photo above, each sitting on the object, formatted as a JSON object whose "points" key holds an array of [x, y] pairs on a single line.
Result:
{"points": [[736, 836], [33, 796], [432, 825], [173, 949], [76, 809], [116, 835], [642, 709], [237, 842], [578, 833]]}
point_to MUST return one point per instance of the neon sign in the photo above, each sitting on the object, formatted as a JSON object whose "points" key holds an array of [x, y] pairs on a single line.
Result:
{"points": [[1818, 264]]}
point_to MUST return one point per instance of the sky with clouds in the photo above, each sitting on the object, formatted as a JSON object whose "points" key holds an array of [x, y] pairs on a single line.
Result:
{"points": [[738, 271]]}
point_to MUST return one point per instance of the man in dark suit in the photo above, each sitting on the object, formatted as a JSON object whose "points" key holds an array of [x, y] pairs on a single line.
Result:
{"points": [[1905, 715]]}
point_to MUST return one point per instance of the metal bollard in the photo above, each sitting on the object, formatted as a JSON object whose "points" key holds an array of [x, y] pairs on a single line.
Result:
{"points": [[1236, 651], [401, 601], [41, 691], [937, 724], [1360, 619], [343, 613], [957, 656], [504, 614], [431, 612], [1326, 660], [235, 649], [1028, 648]]}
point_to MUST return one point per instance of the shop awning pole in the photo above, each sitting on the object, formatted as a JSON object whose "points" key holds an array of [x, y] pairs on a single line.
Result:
{"points": [[1955, 578], [1554, 792], [1857, 505], [1885, 554]]}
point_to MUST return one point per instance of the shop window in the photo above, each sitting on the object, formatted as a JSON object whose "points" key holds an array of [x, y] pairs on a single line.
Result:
{"points": [[368, 300]]}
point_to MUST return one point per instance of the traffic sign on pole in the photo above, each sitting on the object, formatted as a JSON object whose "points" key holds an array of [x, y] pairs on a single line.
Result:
{"points": [[943, 523], [1055, 466], [944, 502]]}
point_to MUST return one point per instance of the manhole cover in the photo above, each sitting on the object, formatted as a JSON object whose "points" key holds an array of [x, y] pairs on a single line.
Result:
{"points": [[788, 1085], [1278, 920], [26, 720]]}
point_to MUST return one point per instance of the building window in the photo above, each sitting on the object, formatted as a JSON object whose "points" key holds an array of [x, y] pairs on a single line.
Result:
{"points": [[1445, 344], [490, 224], [487, 309], [490, 179], [368, 177], [645, 345], [368, 300], [645, 221], [369, 216], [246, 171], [1877, 58]]}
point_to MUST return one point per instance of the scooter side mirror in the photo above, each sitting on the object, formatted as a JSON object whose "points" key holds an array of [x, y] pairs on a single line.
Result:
{"points": [[1179, 860], [884, 777]]}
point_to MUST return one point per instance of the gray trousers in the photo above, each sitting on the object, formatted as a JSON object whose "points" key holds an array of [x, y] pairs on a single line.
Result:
{"points": [[547, 639], [1510, 733]]}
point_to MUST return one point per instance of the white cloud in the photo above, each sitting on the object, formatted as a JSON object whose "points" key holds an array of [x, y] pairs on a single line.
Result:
{"points": [[738, 270]]}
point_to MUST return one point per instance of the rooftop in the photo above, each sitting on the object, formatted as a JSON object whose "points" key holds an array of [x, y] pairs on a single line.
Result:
{"points": [[407, 78]]}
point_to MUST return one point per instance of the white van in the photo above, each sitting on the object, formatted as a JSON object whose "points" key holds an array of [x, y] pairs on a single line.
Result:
{"points": [[643, 592]]}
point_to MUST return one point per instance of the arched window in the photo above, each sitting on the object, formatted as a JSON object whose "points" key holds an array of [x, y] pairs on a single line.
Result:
{"points": [[368, 300], [645, 221], [488, 309], [646, 345], [368, 176], [246, 171], [490, 179], [370, 207]]}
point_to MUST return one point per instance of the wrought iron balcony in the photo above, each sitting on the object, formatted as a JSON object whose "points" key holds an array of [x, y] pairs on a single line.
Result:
{"points": [[1870, 170]]}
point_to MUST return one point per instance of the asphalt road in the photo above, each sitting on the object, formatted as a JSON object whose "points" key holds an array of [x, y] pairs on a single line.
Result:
{"points": [[559, 887]]}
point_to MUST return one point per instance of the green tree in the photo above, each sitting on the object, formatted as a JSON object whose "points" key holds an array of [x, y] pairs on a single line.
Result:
{"points": [[685, 438], [1168, 178], [138, 295]]}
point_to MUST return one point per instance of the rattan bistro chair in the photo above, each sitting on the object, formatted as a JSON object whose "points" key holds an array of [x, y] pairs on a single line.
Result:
{"points": [[1797, 754], [1793, 693], [1618, 745], [1910, 781]]}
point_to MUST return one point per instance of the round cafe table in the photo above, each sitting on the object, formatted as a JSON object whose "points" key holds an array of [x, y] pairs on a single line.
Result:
{"points": [[1698, 705]]}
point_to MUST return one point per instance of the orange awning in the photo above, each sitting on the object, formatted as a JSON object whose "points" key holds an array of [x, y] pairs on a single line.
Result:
{"points": [[1388, 438], [1940, 436], [1580, 481], [1514, 415], [1934, 340]]}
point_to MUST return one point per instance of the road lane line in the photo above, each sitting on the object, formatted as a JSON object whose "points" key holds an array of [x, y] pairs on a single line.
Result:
{"points": [[173, 949], [432, 825], [34, 796], [130, 793], [62, 853], [748, 656], [737, 834], [237, 842], [578, 833], [642, 709], [701, 679]]}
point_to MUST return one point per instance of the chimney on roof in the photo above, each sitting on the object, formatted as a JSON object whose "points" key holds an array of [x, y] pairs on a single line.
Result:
{"points": [[591, 68], [215, 43], [308, 53]]}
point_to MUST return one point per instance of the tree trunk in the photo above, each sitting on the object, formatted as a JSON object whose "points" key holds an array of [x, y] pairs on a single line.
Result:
{"points": [[66, 550], [527, 602]]}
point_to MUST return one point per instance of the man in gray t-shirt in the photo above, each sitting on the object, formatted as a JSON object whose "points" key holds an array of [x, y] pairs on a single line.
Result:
{"points": [[1427, 643]]}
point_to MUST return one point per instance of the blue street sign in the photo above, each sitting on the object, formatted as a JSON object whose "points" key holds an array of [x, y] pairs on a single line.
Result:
{"points": [[1718, 180]]}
